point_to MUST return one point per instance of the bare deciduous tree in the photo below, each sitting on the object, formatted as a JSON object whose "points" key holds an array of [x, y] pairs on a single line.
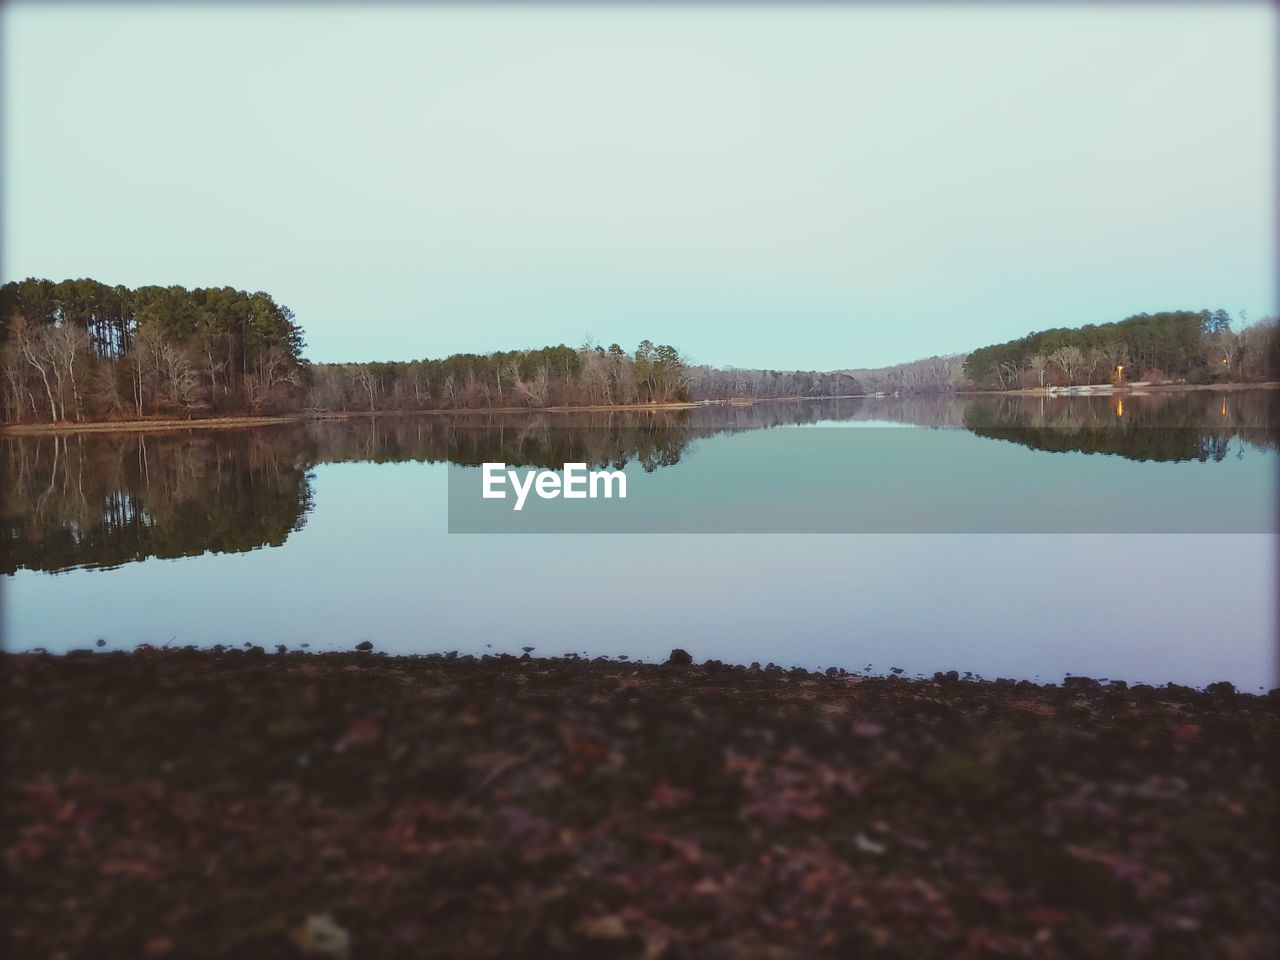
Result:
{"points": [[179, 376], [1115, 354], [1037, 364], [32, 344], [534, 390], [274, 368], [64, 346], [17, 393], [1224, 348], [1069, 360], [368, 382]]}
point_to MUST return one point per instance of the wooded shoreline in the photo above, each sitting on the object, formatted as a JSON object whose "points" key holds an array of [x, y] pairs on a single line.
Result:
{"points": [[196, 423], [110, 426], [210, 423]]}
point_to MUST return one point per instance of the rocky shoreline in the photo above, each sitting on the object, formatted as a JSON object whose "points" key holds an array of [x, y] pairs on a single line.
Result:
{"points": [[231, 804]]}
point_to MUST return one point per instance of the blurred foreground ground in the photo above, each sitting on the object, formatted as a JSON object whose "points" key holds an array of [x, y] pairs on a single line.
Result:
{"points": [[189, 804]]}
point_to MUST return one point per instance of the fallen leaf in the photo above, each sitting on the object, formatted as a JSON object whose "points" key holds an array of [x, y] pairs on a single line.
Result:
{"points": [[665, 796], [363, 732], [157, 947]]}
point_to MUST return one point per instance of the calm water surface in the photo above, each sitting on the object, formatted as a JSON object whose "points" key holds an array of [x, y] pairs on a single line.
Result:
{"points": [[962, 555]]}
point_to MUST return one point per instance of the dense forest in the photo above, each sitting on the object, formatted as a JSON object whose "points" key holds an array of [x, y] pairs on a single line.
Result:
{"points": [[1196, 347], [81, 350]]}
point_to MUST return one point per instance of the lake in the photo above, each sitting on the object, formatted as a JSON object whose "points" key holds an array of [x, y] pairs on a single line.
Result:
{"points": [[1123, 537]]}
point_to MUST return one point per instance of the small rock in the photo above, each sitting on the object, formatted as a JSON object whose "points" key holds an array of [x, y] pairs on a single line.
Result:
{"points": [[679, 658], [364, 646], [867, 845], [320, 936], [101, 643]]}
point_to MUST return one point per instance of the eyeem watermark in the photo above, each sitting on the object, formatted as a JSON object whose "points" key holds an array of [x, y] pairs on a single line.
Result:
{"points": [[575, 482]]}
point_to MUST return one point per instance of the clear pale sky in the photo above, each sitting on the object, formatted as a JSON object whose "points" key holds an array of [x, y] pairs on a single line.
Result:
{"points": [[818, 187]]}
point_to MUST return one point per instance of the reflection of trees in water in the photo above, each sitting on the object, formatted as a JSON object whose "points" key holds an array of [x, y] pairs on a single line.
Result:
{"points": [[102, 500], [539, 439], [105, 499], [1160, 426], [598, 437]]}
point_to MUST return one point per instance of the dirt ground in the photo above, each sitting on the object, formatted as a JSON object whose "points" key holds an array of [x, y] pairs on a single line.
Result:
{"points": [[240, 804]]}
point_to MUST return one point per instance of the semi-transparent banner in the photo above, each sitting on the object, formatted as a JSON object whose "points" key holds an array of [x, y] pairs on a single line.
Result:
{"points": [[868, 479]]}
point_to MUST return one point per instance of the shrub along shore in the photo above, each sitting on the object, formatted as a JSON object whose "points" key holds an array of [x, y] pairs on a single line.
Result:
{"points": [[231, 803]]}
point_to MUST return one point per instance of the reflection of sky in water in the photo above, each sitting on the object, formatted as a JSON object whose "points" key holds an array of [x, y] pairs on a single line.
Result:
{"points": [[374, 561]]}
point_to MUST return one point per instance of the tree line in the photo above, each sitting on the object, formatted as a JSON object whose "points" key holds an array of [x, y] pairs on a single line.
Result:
{"points": [[1183, 345], [561, 376], [590, 375], [85, 350], [712, 383], [926, 376], [81, 349]]}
